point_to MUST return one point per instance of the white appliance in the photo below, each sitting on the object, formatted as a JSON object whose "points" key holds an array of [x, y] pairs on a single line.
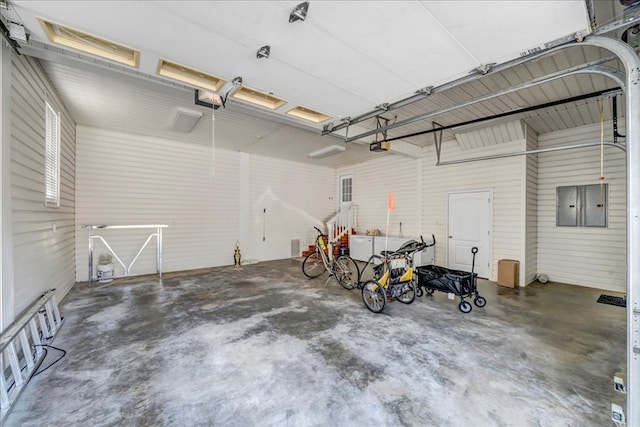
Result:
{"points": [[425, 257], [360, 247], [382, 243]]}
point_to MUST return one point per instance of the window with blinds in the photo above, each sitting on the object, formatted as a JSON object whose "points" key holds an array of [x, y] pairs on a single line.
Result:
{"points": [[52, 157]]}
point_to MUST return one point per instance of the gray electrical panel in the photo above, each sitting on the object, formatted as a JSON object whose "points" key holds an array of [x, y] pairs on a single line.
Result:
{"points": [[582, 205], [566, 206], [595, 205]]}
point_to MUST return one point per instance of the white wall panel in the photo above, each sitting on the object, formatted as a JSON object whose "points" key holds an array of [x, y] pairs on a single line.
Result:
{"points": [[594, 257], [43, 258], [490, 135], [504, 177], [6, 224], [531, 212], [295, 196], [131, 179], [373, 181]]}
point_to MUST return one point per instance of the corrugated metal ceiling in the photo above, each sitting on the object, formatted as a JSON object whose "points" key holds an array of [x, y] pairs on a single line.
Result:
{"points": [[545, 120]]}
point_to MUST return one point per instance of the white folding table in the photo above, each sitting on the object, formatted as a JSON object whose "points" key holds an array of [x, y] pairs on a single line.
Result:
{"points": [[127, 268]]}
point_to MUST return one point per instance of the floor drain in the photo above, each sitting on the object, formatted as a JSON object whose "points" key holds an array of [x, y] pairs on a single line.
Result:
{"points": [[611, 300]]}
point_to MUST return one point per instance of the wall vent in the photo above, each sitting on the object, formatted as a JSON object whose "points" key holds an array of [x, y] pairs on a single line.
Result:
{"points": [[295, 248]]}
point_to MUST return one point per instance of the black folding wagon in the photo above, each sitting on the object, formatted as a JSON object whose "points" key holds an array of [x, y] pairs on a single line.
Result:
{"points": [[463, 284]]}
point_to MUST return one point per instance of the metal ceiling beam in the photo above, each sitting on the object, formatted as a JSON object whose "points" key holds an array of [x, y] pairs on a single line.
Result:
{"points": [[425, 92], [632, 17], [592, 14], [607, 92], [591, 67]]}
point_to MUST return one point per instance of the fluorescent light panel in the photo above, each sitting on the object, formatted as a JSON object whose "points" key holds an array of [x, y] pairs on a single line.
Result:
{"points": [[184, 120], [308, 114], [85, 42], [256, 97], [327, 151], [190, 76]]}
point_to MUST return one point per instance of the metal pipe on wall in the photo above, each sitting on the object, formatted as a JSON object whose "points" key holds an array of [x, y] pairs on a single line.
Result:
{"points": [[607, 92], [525, 153]]}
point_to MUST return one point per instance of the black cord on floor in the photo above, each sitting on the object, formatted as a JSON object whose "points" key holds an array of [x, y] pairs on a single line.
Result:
{"points": [[64, 353]]}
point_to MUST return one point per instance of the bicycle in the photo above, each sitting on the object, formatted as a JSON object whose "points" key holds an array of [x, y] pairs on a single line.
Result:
{"points": [[343, 269], [393, 276]]}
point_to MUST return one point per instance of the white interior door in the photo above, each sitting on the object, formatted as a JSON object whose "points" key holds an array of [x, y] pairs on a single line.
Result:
{"points": [[345, 190], [469, 225]]}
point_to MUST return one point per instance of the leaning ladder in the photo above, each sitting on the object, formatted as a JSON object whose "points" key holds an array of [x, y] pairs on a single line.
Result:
{"points": [[21, 348]]}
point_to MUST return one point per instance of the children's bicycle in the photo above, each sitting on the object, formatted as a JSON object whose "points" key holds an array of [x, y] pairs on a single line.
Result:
{"points": [[343, 268], [393, 276]]}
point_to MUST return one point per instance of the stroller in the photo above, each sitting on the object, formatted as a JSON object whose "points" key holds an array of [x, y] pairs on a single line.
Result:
{"points": [[393, 276], [433, 278]]}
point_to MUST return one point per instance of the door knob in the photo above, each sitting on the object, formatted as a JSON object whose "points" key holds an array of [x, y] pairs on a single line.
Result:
{"points": [[451, 237]]}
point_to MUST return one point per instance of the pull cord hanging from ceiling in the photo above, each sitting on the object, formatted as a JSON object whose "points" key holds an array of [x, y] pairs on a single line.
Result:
{"points": [[601, 103], [602, 195], [213, 142]]}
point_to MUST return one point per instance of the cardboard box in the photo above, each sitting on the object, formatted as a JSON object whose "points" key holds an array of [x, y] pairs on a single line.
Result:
{"points": [[508, 273]]}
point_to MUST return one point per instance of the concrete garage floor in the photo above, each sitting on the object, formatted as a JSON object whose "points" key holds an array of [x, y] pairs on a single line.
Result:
{"points": [[263, 346]]}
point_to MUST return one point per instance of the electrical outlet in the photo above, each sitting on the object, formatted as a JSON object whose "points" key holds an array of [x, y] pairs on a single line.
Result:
{"points": [[617, 414], [618, 385]]}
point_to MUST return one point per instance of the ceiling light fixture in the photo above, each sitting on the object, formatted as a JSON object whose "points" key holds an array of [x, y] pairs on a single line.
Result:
{"points": [[299, 13], [85, 42], [190, 76], [327, 151], [308, 114], [256, 97], [263, 52]]}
